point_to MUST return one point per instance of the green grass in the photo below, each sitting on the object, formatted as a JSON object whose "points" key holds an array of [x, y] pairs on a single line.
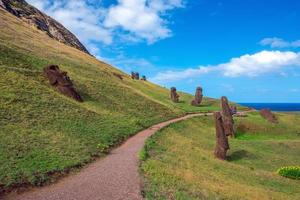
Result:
{"points": [[44, 133], [178, 161]]}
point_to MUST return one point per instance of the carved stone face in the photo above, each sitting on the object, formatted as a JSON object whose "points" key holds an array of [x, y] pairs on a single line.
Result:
{"points": [[61, 81]]}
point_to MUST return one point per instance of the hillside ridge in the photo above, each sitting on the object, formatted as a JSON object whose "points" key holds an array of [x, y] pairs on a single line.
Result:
{"points": [[30, 14]]}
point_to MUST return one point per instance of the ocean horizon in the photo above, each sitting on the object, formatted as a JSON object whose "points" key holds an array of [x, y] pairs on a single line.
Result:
{"points": [[283, 107]]}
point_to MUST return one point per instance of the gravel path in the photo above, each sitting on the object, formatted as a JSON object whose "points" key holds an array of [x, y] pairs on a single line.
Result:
{"points": [[114, 177]]}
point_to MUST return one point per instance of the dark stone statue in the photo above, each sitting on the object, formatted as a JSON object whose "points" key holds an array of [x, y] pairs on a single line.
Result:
{"points": [[222, 144], [198, 97], [174, 95], [61, 81], [227, 117], [144, 78], [268, 115], [135, 75]]}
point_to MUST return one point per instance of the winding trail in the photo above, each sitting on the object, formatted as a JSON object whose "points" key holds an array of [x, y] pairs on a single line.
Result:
{"points": [[115, 177]]}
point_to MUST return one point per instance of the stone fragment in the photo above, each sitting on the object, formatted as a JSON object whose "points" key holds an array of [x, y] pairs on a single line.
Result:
{"points": [[227, 117], [268, 115], [174, 95], [222, 144], [198, 97], [61, 81]]}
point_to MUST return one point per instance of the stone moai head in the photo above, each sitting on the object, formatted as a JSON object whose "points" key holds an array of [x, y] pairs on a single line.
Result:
{"points": [[198, 97], [174, 95], [222, 144], [227, 117], [268, 115], [61, 81]]}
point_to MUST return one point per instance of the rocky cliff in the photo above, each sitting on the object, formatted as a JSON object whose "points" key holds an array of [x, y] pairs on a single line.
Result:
{"points": [[31, 15]]}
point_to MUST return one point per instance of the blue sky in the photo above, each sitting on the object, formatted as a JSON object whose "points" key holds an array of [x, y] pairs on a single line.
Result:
{"points": [[247, 50]]}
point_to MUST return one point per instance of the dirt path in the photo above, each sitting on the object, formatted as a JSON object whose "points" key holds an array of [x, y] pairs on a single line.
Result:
{"points": [[114, 177]]}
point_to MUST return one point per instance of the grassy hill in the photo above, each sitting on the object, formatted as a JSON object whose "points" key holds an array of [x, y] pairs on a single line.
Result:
{"points": [[44, 133], [178, 162]]}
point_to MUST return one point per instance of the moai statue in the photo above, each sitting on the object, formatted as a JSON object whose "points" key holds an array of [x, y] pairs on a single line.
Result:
{"points": [[227, 117], [198, 97], [233, 110], [268, 115], [61, 81], [144, 78], [222, 144], [174, 95], [135, 75]]}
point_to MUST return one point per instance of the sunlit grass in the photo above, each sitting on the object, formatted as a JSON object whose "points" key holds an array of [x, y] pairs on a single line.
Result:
{"points": [[43, 132], [178, 162]]}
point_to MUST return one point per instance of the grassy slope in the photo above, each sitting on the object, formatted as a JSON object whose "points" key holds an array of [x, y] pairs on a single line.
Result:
{"points": [[42, 132], [179, 162]]}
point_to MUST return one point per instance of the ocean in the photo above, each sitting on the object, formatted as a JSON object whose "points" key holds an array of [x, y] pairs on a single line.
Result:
{"points": [[283, 107]]}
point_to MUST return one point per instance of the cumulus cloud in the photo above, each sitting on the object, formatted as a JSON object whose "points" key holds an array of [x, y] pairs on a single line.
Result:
{"points": [[279, 43], [144, 19], [246, 65], [130, 20], [81, 18]]}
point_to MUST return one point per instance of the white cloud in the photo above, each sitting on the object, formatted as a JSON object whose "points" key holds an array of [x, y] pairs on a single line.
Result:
{"points": [[128, 20], [144, 19], [246, 65], [81, 18], [279, 43], [295, 90]]}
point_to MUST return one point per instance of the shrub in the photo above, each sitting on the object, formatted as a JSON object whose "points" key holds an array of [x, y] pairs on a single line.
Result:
{"points": [[292, 172]]}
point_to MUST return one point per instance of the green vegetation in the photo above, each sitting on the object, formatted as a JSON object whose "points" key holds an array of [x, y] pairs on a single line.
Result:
{"points": [[178, 161], [44, 133], [292, 172]]}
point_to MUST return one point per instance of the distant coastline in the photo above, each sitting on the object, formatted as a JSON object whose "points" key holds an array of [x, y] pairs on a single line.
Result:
{"points": [[281, 107]]}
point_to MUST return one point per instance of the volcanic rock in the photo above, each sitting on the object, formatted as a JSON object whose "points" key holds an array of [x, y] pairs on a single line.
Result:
{"points": [[33, 16]]}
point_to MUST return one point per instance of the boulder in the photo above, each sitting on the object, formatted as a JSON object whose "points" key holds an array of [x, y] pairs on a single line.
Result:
{"points": [[227, 117], [222, 144], [174, 95], [198, 97], [268, 115], [61, 81]]}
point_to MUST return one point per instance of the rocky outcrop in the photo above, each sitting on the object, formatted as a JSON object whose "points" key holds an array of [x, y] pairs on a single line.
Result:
{"points": [[198, 97], [268, 115], [227, 117], [61, 81], [31, 15], [174, 96], [222, 144]]}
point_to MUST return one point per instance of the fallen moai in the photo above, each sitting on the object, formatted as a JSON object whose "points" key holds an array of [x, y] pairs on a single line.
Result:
{"points": [[222, 144], [198, 97], [174, 95], [118, 75], [268, 115], [61, 81], [227, 117]]}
